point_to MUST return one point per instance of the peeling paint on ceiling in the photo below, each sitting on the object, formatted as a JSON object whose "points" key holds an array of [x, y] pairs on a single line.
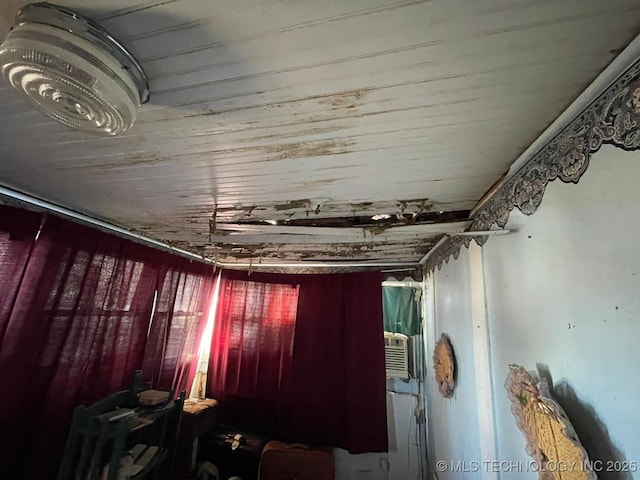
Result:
{"points": [[379, 115]]}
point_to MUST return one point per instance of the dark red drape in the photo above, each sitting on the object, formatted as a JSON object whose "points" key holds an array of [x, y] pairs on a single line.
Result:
{"points": [[75, 333], [180, 315], [336, 392], [18, 230], [338, 378], [74, 316], [252, 345]]}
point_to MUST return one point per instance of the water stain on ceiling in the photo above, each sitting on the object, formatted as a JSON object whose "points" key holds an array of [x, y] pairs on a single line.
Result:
{"points": [[305, 131]]}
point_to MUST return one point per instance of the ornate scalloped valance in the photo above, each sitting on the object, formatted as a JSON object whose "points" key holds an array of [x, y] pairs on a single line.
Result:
{"points": [[613, 118]]}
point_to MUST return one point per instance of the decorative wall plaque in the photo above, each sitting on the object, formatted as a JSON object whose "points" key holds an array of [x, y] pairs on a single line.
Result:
{"points": [[551, 439], [445, 366]]}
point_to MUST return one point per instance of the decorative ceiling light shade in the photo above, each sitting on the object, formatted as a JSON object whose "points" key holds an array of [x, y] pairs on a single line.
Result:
{"points": [[73, 70]]}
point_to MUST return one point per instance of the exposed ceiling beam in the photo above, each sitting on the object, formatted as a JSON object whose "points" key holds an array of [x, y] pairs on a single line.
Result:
{"points": [[364, 233], [289, 238]]}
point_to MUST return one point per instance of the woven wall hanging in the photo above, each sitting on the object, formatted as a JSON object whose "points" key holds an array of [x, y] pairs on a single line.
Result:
{"points": [[444, 365], [551, 439]]}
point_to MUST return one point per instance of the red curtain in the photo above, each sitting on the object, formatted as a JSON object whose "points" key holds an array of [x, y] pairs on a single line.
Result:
{"points": [[76, 333], [18, 230], [331, 384], [252, 346], [181, 312], [75, 313], [338, 378]]}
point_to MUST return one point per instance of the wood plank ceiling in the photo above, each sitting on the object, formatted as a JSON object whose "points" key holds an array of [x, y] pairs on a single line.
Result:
{"points": [[281, 127]]}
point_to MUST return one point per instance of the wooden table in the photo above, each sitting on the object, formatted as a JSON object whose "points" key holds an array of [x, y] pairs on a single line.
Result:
{"points": [[200, 415]]}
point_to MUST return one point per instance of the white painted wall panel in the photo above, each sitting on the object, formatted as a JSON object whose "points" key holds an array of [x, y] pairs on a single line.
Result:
{"points": [[455, 437], [561, 296], [562, 292]]}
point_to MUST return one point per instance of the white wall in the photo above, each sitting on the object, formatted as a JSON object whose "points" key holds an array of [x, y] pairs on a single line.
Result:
{"points": [[453, 423], [562, 293]]}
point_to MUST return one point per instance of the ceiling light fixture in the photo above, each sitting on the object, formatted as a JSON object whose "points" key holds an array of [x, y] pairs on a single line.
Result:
{"points": [[73, 70]]}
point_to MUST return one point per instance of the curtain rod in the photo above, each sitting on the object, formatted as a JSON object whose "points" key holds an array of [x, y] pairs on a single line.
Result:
{"points": [[122, 232], [399, 283]]}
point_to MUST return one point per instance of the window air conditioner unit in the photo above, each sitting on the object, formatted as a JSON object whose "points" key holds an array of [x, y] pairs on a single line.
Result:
{"points": [[396, 355]]}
